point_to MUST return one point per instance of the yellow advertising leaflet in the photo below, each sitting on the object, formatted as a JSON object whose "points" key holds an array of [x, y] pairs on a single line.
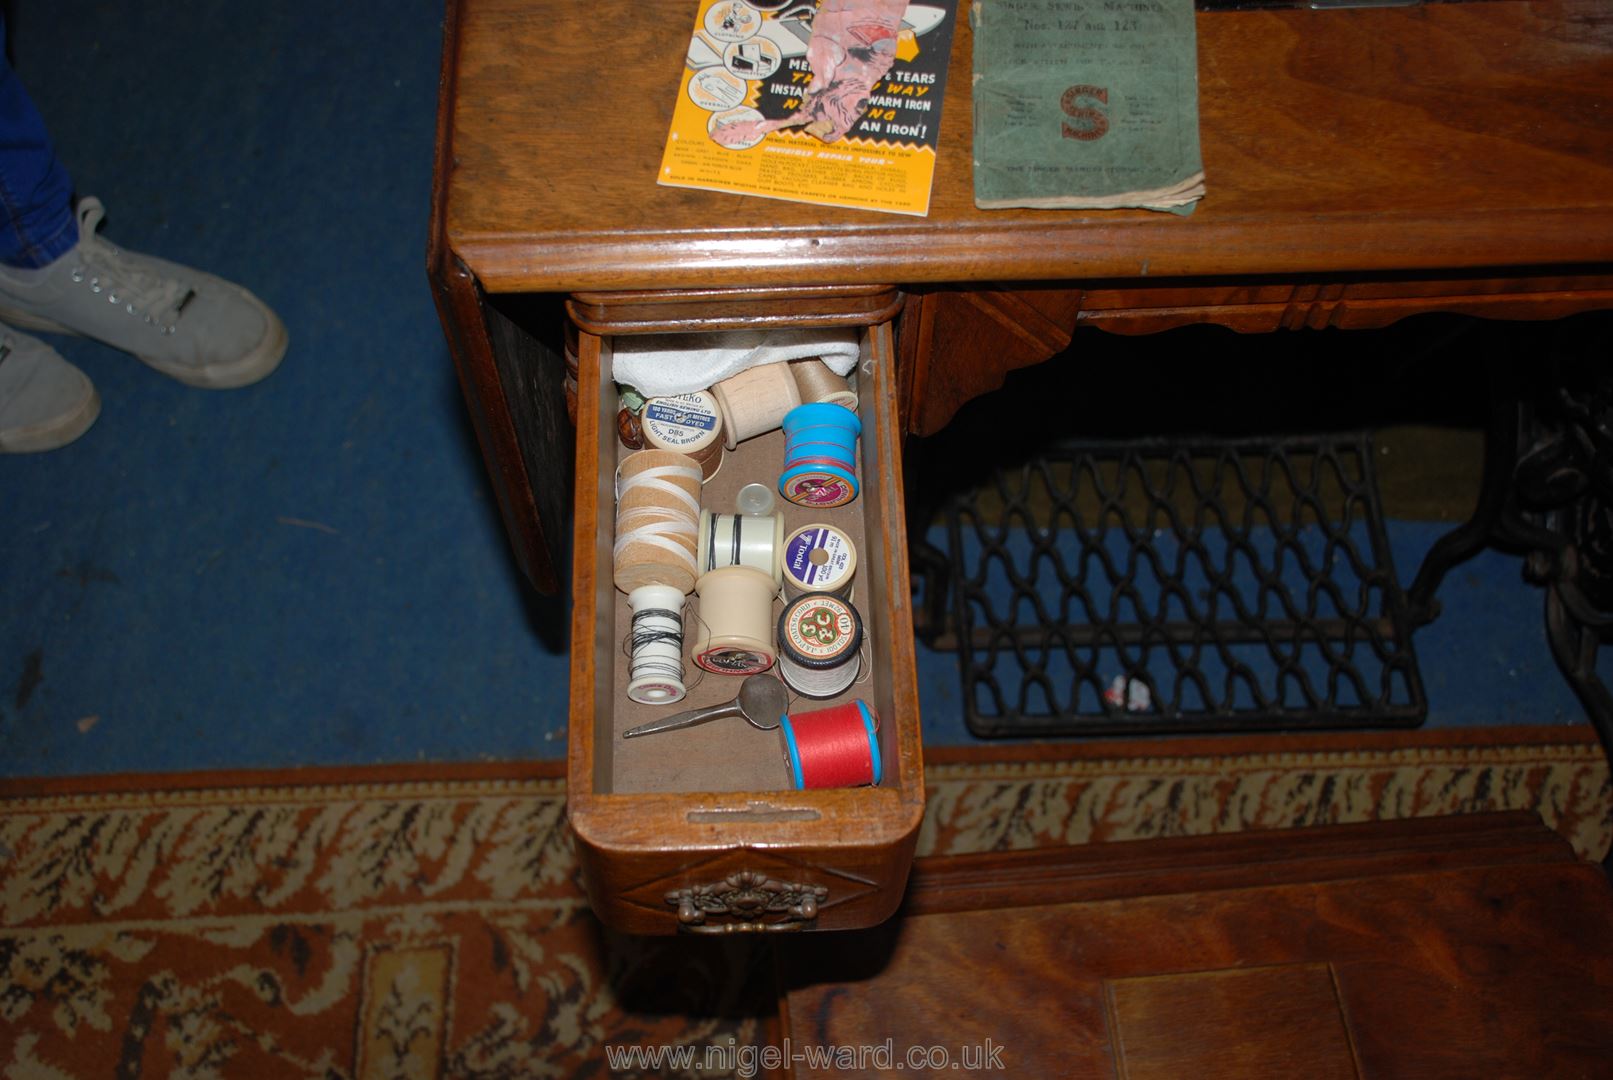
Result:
{"points": [[836, 103]]}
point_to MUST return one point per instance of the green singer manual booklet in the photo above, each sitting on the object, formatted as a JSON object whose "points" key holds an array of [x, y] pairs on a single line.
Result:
{"points": [[1086, 104]]}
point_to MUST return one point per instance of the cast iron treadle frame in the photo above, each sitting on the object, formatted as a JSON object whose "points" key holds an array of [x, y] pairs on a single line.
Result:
{"points": [[1206, 585], [1547, 493]]}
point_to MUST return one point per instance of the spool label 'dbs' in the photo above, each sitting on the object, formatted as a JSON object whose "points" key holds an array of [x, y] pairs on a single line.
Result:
{"points": [[681, 419]]}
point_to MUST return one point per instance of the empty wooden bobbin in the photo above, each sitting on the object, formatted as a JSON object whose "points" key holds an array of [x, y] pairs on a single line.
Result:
{"points": [[755, 401], [817, 382]]}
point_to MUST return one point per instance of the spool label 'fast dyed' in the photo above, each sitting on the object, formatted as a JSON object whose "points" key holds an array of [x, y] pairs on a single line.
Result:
{"points": [[821, 629], [818, 558], [681, 420]]}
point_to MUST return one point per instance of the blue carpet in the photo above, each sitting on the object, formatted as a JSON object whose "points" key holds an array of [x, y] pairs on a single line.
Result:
{"points": [[311, 571]]}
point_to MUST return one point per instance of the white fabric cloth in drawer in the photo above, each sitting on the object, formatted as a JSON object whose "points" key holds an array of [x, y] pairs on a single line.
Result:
{"points": [[661, 364]]}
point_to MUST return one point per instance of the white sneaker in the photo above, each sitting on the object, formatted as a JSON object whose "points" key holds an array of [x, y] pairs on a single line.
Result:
{"points": [[45, 402], [197, 328]]}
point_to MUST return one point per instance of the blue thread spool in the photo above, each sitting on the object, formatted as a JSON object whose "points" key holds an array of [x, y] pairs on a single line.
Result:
{"points": [[820, 455]]}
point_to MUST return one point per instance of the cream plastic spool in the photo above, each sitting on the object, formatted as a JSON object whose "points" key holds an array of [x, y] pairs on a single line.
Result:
{"points": [[734, 634]]}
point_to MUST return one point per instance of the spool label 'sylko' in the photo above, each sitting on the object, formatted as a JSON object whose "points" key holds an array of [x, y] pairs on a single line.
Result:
{"points": [[680, 420], [822, 629], [817, 558]]}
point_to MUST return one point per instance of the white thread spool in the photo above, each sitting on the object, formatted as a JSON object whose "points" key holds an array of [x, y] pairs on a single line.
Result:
{"points": [[741, 540], [657, 520], [818, 559], [655, 670], [817, 382], [687, 423], [755, 401], [820, 645], [736, 625]]}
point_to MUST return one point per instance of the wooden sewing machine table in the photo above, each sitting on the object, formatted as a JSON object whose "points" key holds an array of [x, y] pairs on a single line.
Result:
{"points": [[1361, 166]]}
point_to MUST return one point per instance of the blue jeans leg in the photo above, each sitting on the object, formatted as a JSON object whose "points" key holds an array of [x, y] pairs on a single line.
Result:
{"points": [[36, 194]]}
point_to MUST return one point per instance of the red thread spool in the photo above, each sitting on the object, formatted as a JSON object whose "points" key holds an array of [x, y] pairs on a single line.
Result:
{"points": [[836, 747]]}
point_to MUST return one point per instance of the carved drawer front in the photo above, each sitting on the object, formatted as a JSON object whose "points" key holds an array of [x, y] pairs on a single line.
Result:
{"points": [[702, 830], [750, 891]]}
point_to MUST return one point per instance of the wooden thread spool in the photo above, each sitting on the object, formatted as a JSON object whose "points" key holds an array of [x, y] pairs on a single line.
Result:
{"points": [[657, 520], [820, 645], [818, 558], [834, 747], [741, 540], [736, 625], [755, 401], [687, 423], [818, 383]]}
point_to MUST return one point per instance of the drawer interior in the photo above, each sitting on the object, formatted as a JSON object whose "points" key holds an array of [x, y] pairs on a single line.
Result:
{"points": [[729, 755]]}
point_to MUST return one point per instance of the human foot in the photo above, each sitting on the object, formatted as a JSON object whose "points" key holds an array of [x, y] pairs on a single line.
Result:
{"points": [[193, 326], [45, 402]]}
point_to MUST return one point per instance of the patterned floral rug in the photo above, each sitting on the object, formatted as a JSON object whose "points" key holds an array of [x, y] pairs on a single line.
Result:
{"points": [[429, 923]]}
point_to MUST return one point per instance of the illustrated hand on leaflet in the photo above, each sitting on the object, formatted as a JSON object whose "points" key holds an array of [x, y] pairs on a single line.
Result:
{"points": [[853, 45]]}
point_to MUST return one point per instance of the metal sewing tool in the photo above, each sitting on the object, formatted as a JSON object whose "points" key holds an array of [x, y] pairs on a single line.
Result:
{"points": [[762, 700]]}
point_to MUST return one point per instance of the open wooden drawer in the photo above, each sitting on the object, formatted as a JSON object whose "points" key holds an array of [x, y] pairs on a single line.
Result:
{"points": [[699, 830]]}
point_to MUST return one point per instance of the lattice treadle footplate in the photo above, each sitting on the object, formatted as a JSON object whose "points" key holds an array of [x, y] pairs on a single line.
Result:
{"points": [[1169, 586]]}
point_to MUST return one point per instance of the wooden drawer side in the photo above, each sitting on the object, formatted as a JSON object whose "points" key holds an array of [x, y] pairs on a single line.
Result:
{"points": [[642, 842]]}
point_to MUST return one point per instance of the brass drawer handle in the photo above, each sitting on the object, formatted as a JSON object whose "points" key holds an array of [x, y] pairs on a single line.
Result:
{"points": [[747, 898]]}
